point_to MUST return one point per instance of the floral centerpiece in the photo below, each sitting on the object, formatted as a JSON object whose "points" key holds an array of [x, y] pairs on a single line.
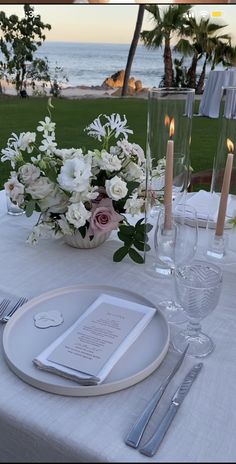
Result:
{"points": [[79, 191]]}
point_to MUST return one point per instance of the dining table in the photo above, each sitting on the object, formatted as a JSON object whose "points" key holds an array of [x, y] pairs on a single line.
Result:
{"points": [[213, 91], [37, 425]]}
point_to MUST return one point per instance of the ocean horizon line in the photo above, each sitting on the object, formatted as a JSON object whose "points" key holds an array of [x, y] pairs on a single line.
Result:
{"points": [[87, 43]]}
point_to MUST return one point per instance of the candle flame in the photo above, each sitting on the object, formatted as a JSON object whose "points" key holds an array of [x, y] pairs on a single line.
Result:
{"points": [[167, 120], [171, 123], [230, 145], [172, 127]]}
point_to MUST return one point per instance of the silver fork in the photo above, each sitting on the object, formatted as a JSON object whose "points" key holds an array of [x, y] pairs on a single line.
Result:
{"points": [[3, 305], [17, 305]]}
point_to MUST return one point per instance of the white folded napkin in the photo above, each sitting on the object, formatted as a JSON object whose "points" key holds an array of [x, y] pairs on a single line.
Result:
{"points": [[206, 205]]}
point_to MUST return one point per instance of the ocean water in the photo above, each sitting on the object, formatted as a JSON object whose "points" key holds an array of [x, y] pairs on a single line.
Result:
{"points": [[91, 63]]}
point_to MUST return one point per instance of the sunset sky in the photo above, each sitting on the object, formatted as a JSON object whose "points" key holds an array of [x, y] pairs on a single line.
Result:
{"points": [[108, 23]]}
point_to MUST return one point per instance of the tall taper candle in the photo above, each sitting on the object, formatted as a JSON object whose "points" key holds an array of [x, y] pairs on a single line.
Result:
{"points": [[168, 183], [224, 195]]}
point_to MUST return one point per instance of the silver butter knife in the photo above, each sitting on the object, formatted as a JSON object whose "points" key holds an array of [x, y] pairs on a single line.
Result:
{"points": [[134, 436], [150, 448]]}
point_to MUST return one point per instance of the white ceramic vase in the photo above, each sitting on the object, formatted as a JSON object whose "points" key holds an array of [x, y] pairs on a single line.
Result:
{"points": [[77, 241]]}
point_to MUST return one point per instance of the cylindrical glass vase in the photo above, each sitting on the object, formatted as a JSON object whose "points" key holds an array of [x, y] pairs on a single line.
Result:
{"points": [[169, 118]]}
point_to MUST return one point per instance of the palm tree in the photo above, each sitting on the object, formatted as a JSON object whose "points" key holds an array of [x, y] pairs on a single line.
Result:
{"points": [[215, 53], [132, 49], [165, 25], [203, 42]]}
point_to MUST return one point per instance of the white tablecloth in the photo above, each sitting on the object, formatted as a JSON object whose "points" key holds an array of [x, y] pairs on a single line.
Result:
{"points": [[36, 426], [210, 102]]}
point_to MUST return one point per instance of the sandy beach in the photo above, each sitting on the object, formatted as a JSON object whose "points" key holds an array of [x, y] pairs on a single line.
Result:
{"points": [[81, 91]]}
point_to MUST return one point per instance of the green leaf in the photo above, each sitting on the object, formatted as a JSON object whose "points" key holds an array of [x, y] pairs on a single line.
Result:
{"points": [[131, 186], [140, 236], [139, 222], [120, 254], [127, 239], [135, 256], [30, 207], [127, 230], [149, 227], [139, 245], [83, 231], [51, 173]]}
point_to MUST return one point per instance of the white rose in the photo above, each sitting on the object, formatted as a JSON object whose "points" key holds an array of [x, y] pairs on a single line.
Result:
{"points": [[116, 188], [29, 173], [55, 202], [41, 188], [77, 214], [14, 189], [75, 175]]}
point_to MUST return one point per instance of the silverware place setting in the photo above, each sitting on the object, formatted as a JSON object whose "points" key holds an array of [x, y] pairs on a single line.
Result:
{"points": [[151, 446], [8, 307]]}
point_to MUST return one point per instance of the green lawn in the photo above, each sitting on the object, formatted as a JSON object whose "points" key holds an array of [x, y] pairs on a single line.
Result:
{"points": [[72, 116]]}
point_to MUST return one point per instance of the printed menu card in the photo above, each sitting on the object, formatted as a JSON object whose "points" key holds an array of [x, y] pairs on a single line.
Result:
{"points": [[88, 350]]}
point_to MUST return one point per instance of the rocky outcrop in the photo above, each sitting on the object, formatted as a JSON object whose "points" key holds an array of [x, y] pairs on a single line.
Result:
{"points": [[116, 81]]}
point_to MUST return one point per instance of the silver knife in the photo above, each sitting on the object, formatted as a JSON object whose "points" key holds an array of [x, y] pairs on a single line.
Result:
{"points": [[134, 436], [150, 448]]}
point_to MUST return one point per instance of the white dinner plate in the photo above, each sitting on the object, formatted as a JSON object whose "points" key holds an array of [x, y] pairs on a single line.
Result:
{"points": [[22, 341]]}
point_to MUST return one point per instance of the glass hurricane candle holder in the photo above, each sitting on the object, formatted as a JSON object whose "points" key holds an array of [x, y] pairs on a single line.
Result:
{"points": [[169, 118], [169, 126], [220, 246]]}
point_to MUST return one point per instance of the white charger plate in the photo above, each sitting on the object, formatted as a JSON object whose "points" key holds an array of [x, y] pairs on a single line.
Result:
{"points": [[22, 341]]}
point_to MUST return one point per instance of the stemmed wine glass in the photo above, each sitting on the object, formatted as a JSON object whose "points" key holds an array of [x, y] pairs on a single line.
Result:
{"points": [[175, 245], [198, 288]]}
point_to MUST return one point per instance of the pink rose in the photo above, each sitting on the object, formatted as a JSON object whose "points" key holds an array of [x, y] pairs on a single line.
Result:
{"points": [[104, 218]]}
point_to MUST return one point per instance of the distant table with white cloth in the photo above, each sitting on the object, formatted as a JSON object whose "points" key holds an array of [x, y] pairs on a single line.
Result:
{"points": [[210, 102], [38, 426]]}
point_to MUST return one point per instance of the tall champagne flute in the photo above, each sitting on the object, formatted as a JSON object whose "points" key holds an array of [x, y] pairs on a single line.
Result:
{"points": [[175, 246]]}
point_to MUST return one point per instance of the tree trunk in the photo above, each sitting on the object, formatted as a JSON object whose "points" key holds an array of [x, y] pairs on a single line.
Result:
{"points": [[132, 49], [199, 89], [192, 72], [18, 81], [168, 65]]}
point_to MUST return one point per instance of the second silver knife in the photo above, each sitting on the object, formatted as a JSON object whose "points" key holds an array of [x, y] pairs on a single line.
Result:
{"points": [[150, 448], [134, 436]]}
